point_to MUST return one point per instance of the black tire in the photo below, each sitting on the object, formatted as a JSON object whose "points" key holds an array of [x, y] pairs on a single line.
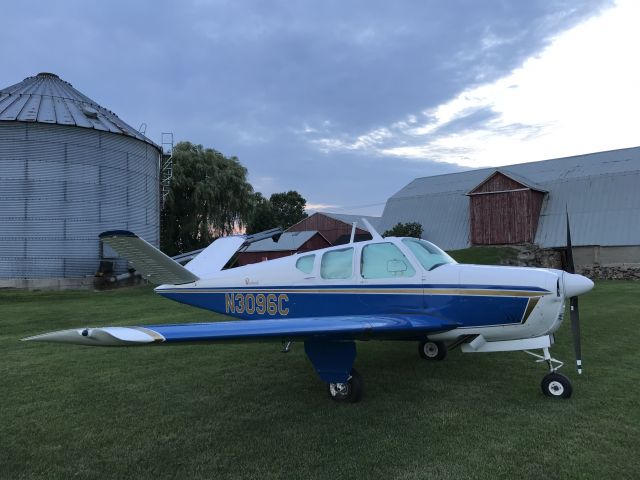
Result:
{"points": [[430, 350], [349, 392], [556, 385]]}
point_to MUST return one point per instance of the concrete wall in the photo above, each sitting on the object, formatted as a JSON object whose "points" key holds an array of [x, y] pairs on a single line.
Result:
{"points": [[597, 255], [48, 283]]}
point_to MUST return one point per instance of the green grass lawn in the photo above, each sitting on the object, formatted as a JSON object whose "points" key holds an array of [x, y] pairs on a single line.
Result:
{"points": [[248, 411]]}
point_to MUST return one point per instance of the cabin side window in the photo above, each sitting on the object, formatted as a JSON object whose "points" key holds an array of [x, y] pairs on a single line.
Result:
{"points": [[305, 264], [337, 264], [384, 260]]}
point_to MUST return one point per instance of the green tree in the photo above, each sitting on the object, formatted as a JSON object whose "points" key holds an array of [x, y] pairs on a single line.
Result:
{"points": [[411, 229], [281, 210], [288, 208], [209, 197], [261, 217]]}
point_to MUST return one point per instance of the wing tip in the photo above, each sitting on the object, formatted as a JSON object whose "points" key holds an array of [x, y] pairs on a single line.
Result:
{"points": [[117, 233], [100, 336]]}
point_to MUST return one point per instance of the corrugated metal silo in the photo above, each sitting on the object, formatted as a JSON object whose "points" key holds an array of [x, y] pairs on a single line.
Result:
{"points": [[69, 169]]}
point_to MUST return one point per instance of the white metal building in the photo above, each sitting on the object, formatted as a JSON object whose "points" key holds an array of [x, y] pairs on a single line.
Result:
{"points": [[69, 169], [601, 192]]}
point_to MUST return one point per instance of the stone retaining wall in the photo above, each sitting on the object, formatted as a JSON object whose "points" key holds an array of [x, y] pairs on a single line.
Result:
{"points": [[611, 272], [533, 256]]}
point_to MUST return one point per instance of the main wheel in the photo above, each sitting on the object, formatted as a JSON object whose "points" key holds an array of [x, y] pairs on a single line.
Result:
{"points": [[556, 385], [348, 392], [430, 350]]}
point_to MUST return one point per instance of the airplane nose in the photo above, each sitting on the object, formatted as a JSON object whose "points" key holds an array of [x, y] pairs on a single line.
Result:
{"points": [[575, 285]]}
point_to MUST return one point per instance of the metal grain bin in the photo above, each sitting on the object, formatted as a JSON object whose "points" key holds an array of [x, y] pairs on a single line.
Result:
{"points": [[69, 169]]}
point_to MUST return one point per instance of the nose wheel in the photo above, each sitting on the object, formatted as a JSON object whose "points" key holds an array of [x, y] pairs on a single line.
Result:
{"points": [[556, 385]]}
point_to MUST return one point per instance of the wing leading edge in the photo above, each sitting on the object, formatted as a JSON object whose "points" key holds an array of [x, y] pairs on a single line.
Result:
{"points": [[329, 328]]}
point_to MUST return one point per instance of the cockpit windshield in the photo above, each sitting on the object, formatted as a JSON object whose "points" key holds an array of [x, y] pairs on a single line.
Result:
{"points": [[427, 253]]}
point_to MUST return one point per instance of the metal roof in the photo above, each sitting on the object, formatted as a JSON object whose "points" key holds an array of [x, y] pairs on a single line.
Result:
{"points": [[46, 98], [601, 191], [516, 178], [354, 218], [288, 242]]}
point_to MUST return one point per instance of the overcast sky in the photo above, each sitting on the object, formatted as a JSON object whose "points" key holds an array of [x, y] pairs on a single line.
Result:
{"points": [[348, 101]]}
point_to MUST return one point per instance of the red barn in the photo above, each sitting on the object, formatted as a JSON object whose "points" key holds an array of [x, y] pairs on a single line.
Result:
{"points": [[335, 227], [288, 244]]}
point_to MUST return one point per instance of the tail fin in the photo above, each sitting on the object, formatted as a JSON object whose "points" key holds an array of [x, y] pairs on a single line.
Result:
{"points": [[213, 258], [154, 265]]}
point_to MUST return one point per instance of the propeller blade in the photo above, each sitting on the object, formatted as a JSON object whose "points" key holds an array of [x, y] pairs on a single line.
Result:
{"points": [[575, 329], [574, 312], [571, 268]]}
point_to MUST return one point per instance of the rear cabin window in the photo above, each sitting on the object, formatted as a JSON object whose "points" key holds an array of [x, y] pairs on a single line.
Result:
{"points": [[337, 264], [384, 260], [305, 264]]}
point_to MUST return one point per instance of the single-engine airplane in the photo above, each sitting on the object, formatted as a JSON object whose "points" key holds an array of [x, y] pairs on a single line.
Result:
{"points": [[384, 289]]}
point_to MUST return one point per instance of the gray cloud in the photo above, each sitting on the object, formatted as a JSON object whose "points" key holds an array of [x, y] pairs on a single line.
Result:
{"points": [[248, 78], [472, 121]]}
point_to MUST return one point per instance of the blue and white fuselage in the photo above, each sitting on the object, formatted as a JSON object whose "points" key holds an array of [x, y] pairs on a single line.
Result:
{"points": [[501, 303]]}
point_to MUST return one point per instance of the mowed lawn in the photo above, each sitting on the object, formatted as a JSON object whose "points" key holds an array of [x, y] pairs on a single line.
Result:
{"points": [[249, 411]]}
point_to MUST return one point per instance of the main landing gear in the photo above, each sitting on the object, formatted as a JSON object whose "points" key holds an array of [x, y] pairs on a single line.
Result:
{"points": [[553, 384], [430, 350], [348, 392], [351, 390]]}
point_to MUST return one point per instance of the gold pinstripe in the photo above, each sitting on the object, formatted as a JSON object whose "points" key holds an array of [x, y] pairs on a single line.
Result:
{"points": [[485, 292], [531, 304], [378, 291]]}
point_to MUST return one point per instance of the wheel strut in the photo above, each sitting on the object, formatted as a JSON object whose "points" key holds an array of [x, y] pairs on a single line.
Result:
{"points": [[553, 384]]}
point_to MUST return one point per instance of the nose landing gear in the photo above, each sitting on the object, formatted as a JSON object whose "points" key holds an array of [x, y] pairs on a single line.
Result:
{"points": [[556, 385], [553, 384]]}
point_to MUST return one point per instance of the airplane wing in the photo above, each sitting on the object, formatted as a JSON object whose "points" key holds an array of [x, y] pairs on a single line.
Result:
{"points": [[322, 328]]}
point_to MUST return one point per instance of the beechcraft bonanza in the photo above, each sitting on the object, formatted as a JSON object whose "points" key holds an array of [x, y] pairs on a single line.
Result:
{"points": [[382, 289]]}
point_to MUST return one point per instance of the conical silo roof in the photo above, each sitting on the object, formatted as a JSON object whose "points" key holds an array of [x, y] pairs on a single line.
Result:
{"points": [[46, 98]]}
